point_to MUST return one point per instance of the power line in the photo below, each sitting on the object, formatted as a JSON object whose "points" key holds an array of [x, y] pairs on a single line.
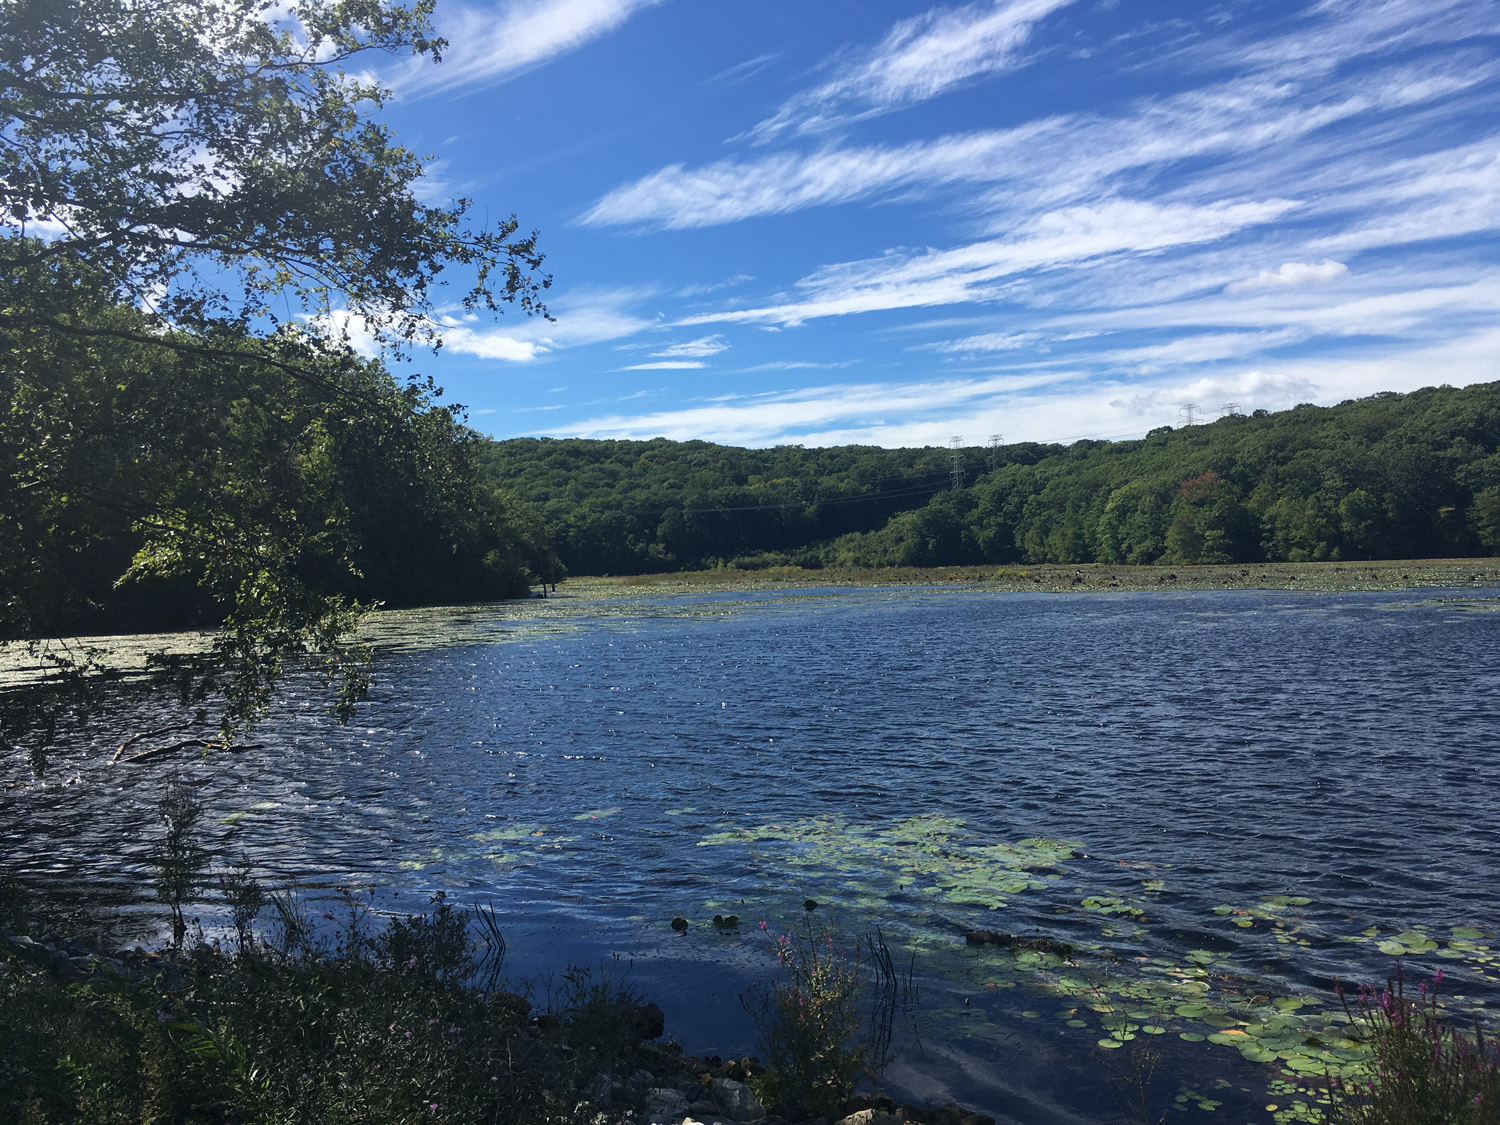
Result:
{"points": [[1189, 414], [956, 474]]}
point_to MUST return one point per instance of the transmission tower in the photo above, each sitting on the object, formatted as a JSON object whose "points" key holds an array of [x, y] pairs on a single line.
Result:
{"points": [[1230, 410], [957, 473], [1189, 414], [994, 452]]}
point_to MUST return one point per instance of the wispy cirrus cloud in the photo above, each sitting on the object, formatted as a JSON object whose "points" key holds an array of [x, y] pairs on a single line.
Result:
{"points": [[1028, 404], [701, 348], [978, 270], [918, 59], [1046, 162], [498, 41]]}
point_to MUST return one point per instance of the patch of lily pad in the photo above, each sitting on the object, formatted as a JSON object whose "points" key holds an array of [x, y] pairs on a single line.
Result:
{"points": [[925, 864]]}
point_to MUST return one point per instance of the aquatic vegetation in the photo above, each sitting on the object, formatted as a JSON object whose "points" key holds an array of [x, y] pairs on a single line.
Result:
{"points": [[919, 875], [1423, 1069]]}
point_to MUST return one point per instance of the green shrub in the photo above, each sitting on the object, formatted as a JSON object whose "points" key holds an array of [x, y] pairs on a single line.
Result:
{"points": [[809, 1022], [393, 1025], [1424, 1071]]}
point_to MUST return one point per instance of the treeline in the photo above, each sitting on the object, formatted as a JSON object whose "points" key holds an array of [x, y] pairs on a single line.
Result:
{"points": [[1389, 476], [157, 478]]}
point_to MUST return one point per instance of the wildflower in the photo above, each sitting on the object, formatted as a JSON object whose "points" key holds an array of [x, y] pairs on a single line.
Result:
{"points": [[432, 1106], [412, 964], [432, 1023]]}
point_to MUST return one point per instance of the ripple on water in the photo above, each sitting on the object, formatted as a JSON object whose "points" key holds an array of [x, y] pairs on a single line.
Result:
{"points": [[1226, 799]]}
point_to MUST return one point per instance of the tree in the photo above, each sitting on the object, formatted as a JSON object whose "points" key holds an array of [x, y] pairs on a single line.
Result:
{"points": [[195, 203], [215, 161]]}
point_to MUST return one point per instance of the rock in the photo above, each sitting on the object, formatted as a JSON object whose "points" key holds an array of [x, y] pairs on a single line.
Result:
{"points": [[1040, 944], [871, 1117], [665, 1106], [649, 1021], [511, 1004], [703, 1108], [599, 1088], [977, 1119], [680, 924], [737, 1100]]}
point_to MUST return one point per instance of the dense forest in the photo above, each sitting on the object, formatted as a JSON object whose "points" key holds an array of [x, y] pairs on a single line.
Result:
{"points": [[1389, 476], [150, 475]]}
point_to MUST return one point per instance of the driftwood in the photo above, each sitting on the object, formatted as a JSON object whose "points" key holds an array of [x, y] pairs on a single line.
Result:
{"points": [[183, 744], [134, 738]]}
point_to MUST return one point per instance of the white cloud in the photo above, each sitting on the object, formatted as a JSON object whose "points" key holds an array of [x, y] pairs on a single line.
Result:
{"points": [[1061, 405], [490, 344], [666, 365], [986, 342], [919, 58], [701, 348], [493, 43], [1059, 159], [1290, 273], [975, 272], [678, 198]]}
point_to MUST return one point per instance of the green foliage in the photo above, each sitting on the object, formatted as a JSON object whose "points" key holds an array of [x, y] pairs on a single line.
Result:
{"points": [[1389, 476], [809, 1022], [179, 858], [195, 209], [1425, 1071], [304, 1036], [216, 159]]}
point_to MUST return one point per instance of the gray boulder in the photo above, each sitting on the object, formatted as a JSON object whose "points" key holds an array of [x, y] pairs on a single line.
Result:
{"points": [[737, 1101]]}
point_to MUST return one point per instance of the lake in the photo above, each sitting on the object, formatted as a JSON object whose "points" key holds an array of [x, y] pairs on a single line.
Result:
{"points": [[1223, 801]]}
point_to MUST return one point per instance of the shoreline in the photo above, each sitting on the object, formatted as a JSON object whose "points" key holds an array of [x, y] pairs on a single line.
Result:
{"points": [[1319, 577]]}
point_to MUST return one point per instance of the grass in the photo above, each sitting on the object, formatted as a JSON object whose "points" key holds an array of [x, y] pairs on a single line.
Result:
{"points": [[1384, 574]]}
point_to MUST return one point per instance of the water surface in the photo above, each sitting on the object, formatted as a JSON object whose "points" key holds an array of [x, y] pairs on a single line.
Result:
{"points": [[1225, 800]]}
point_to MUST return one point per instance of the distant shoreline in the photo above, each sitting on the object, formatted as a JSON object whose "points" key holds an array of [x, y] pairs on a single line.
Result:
{"points": [[1323, 577]]}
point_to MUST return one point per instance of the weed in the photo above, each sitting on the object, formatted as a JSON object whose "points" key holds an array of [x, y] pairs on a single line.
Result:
{"points": [[179, 859], [1424, 1071], [809, 1022], [246, 898]]}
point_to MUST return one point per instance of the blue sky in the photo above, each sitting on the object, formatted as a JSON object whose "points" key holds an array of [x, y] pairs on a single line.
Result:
{"points": [[776, 222]]}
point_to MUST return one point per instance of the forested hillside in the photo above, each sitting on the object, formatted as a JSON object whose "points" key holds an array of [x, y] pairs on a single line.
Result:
{"points": [[1389, 476]]}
